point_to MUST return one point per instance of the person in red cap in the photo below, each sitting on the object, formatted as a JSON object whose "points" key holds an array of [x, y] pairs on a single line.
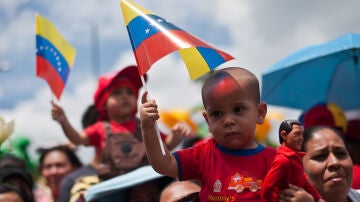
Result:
{"points": [[325, 114], [332, 115], [116, 102]]}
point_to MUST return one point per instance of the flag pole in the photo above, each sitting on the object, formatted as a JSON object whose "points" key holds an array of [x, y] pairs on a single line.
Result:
{"points": [[156, 125]]}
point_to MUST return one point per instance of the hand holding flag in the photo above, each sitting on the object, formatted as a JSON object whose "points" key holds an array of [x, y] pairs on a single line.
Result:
{"points": [[54, 55], [153, 37]]}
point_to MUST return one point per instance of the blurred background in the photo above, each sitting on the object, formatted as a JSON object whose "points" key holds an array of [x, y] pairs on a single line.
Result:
{"points": [[257, 33]]}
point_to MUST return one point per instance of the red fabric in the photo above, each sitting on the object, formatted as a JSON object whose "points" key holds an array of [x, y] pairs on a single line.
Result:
{"points": [[45, 70], [222, 171], [154, 48], [160, 44], [318, 115], [129, 77], [287, 168], [356, 177]]}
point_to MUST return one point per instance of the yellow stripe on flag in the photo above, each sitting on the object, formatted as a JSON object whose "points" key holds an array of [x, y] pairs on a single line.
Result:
{"points": [[194, 62], [131, 10]]}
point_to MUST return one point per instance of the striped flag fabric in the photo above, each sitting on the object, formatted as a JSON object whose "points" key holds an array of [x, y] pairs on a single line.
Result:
{"points": [[54, 55], [153, 37]]}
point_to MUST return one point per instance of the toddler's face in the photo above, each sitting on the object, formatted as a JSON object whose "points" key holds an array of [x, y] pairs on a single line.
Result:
{"points": [[122, 102], [232, 113]]}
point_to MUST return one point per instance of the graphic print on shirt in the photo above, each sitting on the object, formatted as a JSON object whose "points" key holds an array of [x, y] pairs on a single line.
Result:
{"points": [[217, 186], [239, 182]]}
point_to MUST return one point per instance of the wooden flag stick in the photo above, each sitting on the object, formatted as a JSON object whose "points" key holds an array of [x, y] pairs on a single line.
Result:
{"points": [[156, 125]]}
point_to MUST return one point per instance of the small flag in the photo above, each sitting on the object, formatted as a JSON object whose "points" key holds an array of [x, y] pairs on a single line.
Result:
{"points": [[153, 37], [54, 55]]}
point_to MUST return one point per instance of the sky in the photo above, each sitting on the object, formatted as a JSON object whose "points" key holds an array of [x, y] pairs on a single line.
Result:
{"points": [[257, 33]]}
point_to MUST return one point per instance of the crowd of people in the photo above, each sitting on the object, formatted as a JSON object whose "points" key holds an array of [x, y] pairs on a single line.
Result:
{"points": [[317, 158]]}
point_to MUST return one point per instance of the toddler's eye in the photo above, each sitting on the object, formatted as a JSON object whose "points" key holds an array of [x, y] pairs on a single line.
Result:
{"points": [[215, 113], [129, 91], [238, 109], [116, 92]]}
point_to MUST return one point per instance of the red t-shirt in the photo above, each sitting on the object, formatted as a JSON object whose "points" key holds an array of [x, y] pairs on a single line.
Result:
{"points": [[225, 175]]}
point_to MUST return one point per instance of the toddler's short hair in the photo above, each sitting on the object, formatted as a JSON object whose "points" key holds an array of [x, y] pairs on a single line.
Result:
{"points": [[236, 72]]}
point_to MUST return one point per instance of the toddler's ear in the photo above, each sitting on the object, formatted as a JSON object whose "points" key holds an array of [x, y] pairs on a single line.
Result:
{"points": [[205, 117], [262, 110]]}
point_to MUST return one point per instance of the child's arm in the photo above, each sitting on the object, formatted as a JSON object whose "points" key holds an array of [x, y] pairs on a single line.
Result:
{"points": [[75, 137], [163, 164]]}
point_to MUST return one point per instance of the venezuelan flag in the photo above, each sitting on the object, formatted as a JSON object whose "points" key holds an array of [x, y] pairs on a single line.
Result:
{"points": [[153, 37], [54, 55]]}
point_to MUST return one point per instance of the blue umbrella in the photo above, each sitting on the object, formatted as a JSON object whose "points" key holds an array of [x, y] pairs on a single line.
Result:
{"points": [[328, 72]]}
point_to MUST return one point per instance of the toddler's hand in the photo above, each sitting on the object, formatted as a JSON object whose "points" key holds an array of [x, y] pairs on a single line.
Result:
{"points": [[181, 130], [178, 132], [148, 112], [57, 113], [295, 194]]}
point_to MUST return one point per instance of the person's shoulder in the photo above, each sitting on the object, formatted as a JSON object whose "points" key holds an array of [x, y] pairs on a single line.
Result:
{"points": [[84, 170], [281, 158], [269, 152], [96, 125], [205, 141], [200, 148]]}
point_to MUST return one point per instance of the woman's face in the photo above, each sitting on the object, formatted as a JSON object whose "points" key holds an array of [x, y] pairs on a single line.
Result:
{"points": [[54, 168], [328, 164]]}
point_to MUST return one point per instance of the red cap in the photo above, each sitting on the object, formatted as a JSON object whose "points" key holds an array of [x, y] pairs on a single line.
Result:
{"points": [[128, 76], [325, 115]]}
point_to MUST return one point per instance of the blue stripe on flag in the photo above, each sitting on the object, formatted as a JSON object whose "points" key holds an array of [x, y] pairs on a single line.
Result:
{"points": [[140, 28], [48, 51], [211, 56]]}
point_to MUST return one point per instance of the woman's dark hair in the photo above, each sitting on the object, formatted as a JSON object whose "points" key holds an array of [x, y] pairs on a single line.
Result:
{"points": [[309, 134], [7, 188], [286, 126], [70, 154]]}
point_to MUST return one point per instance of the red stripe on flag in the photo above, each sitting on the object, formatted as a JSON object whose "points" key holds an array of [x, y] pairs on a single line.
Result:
{"points": [[45, 70], [224, 55], [159, 45]]}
